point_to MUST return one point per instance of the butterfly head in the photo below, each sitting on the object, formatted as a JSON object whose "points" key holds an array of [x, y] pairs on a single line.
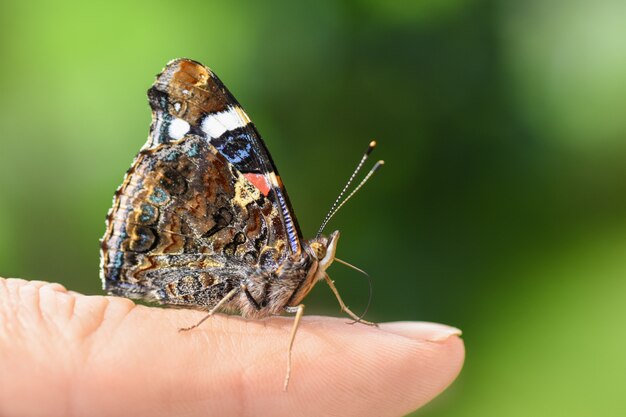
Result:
{"points": [[324, 248]]}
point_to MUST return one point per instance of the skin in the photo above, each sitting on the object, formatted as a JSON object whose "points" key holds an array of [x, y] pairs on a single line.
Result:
{"points": [[67, 354]]}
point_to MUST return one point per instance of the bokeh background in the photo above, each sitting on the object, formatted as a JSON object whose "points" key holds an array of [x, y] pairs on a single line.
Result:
{"points": [[501, 208]]}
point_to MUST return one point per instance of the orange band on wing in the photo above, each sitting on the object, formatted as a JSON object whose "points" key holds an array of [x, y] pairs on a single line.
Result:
{"points": [[259, 181]]}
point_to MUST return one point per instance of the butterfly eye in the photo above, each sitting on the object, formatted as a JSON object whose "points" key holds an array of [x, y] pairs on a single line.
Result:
{"points": [[318, 249]]}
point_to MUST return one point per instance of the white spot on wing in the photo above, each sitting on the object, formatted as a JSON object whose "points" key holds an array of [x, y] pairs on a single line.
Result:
{"points": [[178, 128], [177, 106], [214, 125]]}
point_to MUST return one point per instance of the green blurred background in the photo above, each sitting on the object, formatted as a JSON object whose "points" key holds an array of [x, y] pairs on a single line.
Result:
{"points": [[501, 208]]}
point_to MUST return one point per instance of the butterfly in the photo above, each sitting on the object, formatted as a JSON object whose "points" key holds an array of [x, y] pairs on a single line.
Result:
{"points": [[202, 219]]}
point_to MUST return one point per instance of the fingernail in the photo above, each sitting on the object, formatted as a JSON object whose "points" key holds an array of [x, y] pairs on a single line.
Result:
{"points": [[431, 332]]}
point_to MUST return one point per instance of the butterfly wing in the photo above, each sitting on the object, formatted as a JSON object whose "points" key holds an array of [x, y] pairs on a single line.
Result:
{"points": [[202, 207], [189, 97]]}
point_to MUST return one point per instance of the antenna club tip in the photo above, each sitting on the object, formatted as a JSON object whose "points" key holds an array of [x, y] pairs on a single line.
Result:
{"points": [[370, 147], [378, 165]]}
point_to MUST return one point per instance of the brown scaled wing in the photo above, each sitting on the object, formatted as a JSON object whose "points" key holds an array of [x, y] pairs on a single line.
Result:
{"points": [[186, 227]]}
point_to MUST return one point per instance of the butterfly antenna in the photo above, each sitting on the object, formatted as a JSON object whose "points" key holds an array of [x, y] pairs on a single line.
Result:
{"points": [[369, 281], [375, 168], [335, 207]]}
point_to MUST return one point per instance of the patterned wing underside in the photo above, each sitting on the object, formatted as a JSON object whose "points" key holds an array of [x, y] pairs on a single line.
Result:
{"points": [[186, 226], [188, 98]]}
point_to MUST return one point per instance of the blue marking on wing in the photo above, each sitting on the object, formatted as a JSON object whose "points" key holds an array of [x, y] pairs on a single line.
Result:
{"points": [[291, 230], [147, 212], [118, 259], [158, 195], [193, 151], [237, 146], [172, 156], [240, 155]]}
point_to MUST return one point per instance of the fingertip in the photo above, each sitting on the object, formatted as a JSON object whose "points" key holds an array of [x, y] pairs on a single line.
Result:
{"points": [[451, 357], [350, 370], [388, 371], [432, 332]]}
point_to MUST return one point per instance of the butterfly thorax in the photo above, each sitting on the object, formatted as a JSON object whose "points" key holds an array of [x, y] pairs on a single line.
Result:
{"points": [[290, 283]]}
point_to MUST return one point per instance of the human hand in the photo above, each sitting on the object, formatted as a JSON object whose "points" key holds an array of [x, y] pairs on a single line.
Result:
{"points": [[67, 354]]}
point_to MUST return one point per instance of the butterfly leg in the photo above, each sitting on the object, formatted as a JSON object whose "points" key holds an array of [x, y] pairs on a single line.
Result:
{"points": [[250, 297], [213, 310], [299, 310], [343, 306]]}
